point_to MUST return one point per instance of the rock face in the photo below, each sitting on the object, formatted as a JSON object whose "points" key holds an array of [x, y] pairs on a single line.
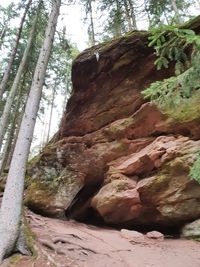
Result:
{"points": [[116, 157]]}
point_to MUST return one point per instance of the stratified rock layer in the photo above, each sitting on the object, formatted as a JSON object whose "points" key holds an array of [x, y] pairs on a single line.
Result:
{"points": [[116, 157]]}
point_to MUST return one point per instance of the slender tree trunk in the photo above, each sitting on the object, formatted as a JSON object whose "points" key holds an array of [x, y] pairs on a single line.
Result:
{"points": [[11, 132], [132, 10], [118, 22], [168, 23], [3, 33], [4, 81], [13, 141], [6, 112], [66, 93], [175, 8], [11, 208], [128, 17], [18, 120], [51, 111], [7, 147], [91, 23]]}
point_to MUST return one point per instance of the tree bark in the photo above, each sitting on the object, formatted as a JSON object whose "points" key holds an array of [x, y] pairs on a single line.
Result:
{"points": [[6, 112], [5, 78], [7, 147], [118, 22], [11, 208], [128, 17], [132, 11], [2, 35], [91, 23], [51, 111]]}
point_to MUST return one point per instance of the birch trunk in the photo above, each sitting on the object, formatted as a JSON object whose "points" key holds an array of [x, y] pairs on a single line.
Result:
{"points": [[11, 208], [6, 112], [4, 81]]}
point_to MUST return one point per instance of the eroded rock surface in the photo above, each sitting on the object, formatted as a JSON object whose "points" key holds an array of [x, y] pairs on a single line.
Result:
{"points": [[116, 157]]}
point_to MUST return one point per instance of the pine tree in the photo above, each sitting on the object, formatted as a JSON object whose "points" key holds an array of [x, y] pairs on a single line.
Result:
{"points": [[5, 78]]}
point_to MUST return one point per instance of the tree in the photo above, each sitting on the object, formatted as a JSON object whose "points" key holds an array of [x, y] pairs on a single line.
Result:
{"points": [[6, 112], [6, 15], [166, 11], [13, 53], [11, 208]]}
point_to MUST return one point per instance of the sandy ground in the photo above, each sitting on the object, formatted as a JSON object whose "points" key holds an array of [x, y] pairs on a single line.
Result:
{"points": [[72, 244]]}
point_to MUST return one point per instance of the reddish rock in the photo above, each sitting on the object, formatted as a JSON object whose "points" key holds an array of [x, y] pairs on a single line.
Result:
{"points": [[133, 236], [117, 201], [155, 235], [116, 156]]}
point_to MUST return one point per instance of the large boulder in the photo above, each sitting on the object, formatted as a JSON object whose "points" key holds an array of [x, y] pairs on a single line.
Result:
{"points": [[116, 156]]}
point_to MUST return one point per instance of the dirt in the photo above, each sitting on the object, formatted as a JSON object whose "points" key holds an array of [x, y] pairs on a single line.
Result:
{"points": [[72, 244]]}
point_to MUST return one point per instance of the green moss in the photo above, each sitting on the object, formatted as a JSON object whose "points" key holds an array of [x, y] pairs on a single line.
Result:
{"points": [[195, 170], [14, 260], [34, 160], [29, 238], [117, 128], [121, 186], [187, 110], [39, 192]]}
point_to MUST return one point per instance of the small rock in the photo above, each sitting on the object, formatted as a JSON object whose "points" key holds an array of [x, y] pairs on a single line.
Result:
{"points": [[155, 235], [132, 235]]}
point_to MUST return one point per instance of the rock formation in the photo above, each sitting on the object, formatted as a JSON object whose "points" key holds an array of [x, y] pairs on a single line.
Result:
{"points": [[116, 158]]}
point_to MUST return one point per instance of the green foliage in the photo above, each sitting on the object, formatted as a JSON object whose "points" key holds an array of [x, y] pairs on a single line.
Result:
{"points": [[175, 44], [195, 170], [177, 96], [170, 44], [177, 89]]}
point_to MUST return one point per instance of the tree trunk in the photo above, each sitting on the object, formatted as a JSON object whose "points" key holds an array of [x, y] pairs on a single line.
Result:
{"points": [[11, 208], [4, 81], [3, 33], [7, 147], [147, 11], [132, 10], [66, 93], [51, 111], [128, 17], [91, 23], [118, 22], [13, 141], [18, 120], [14, 125], [175, 8], [6, 112]]}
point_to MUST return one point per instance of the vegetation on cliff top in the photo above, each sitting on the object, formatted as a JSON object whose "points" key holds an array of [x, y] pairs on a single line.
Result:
{"points": [[179, 95]]}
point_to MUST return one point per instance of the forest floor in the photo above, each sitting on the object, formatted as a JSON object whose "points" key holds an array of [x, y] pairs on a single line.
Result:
{"points": [[72, 244]]}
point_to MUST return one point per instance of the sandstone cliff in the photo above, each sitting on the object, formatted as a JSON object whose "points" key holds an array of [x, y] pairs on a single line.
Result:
{"points": [[116, 157]]}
